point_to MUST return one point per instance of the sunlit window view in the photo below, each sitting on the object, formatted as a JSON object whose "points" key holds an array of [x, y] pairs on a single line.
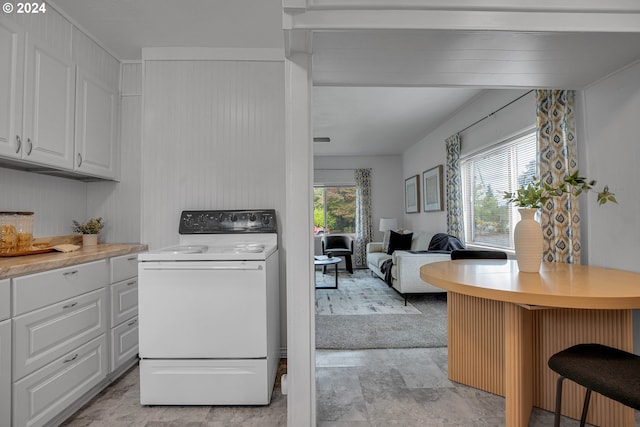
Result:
{"points": [[334, 210], [489, 220]]}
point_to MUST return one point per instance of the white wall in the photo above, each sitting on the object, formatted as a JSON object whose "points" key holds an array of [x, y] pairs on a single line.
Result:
{"points": [[213, 139], [611, 140], [387, 184], [54, 201], [431, 152]]}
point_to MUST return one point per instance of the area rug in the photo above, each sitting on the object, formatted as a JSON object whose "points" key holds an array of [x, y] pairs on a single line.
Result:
{"points": [[365, 313]]}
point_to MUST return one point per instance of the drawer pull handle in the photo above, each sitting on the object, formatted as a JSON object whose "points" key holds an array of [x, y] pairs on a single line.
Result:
{"points": [[73, 304], [75, 356], [133, 322], [131, 283], [70, 273], [133, 258]]}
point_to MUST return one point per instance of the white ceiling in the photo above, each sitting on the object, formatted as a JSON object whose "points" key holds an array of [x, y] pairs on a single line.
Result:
{"points": [[376, 92], [380, 120]]}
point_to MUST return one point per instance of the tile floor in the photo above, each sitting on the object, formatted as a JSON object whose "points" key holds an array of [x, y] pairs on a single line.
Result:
{"points": [[355, 388]]}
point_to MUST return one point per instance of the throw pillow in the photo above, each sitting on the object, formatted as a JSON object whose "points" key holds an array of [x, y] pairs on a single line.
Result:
{"points": [[401, 242], [385, 238]]}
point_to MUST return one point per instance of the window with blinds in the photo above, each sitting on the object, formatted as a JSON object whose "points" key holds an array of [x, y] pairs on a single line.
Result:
{"points": [[486, 175]]}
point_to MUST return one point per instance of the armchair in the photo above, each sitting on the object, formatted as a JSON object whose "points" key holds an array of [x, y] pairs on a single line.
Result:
{"points": [[339, 245]]}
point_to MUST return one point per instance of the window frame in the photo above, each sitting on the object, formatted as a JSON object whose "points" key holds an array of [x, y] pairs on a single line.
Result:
{"points": [[467, 208]]}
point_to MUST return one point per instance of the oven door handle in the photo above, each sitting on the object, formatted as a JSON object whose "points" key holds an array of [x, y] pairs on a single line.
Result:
{"points": [[204, 267]]}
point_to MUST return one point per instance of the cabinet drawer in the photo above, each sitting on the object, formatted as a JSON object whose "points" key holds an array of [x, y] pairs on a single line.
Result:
{"points": [[42, 289], [124, 267], [42, 395], [5, 373], [44, 335], [5, 305], [124, 343], [124, 301]]}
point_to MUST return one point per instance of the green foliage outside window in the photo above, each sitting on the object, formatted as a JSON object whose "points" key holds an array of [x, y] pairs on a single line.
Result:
{"points": [[336, 206]]}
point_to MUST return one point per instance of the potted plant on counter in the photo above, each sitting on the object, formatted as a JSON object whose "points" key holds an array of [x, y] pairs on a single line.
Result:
{"points": [[529, 198], [89, 230]]}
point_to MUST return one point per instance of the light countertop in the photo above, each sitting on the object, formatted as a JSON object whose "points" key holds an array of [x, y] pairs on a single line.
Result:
{"points": [[28, 264]]}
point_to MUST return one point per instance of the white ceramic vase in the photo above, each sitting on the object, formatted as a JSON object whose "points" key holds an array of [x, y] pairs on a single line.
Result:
{"points": [[89, 239], [527, 238]]}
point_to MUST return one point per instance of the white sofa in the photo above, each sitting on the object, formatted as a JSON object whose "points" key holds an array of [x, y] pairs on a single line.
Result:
{"points": [[405, 270]]}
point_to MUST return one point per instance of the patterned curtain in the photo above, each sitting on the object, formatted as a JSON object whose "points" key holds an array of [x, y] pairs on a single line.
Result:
{"points": [[556, 133], [363, 217], [455, 223]]}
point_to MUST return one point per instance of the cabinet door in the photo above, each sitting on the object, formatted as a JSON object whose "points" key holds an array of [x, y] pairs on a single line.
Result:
{"points": [[11, 77], [5, 373], [95, 137], [124, 301], [124, 343], [41, 396], [49, 107]]}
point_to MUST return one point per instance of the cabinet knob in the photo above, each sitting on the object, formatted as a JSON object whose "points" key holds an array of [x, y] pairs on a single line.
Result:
{"points": [[19, 141]]}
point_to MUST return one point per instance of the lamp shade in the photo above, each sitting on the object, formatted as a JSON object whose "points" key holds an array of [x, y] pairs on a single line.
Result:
{"points": [[388, 224]]}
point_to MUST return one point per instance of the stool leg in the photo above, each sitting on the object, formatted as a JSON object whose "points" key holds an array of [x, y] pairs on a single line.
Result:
{"points": [[556, 419], [585, 407]]}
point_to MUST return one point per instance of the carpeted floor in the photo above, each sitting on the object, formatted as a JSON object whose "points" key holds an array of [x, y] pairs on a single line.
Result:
{"points": [[366, 313]]}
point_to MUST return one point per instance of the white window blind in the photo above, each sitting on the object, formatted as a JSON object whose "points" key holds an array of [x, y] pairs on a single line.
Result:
{"points": [[486, 175]]}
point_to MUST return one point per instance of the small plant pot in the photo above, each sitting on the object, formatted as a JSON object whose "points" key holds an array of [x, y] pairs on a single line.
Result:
{"points": [[89, 239]]}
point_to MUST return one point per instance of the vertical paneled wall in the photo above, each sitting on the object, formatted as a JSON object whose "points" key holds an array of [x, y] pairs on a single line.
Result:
{"points": [[213, 139], [118, 203], [54, 201]]}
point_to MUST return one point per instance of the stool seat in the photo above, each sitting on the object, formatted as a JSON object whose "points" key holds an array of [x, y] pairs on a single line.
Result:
{"points": [[606, 370]]}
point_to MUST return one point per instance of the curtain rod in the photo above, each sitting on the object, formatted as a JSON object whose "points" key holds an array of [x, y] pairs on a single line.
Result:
{"points": [[499, 109]]}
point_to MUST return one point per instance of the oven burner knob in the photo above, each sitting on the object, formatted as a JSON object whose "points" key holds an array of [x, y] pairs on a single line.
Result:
{"points": [[252, 217], [266, 219], [233, 218]]}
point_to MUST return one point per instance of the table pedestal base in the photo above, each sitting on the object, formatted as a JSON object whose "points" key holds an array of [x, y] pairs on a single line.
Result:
{"points": [[503, 348]]}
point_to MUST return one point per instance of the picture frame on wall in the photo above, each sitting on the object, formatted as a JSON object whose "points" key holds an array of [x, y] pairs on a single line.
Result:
{"points": [[432, 189], [412, 194]]}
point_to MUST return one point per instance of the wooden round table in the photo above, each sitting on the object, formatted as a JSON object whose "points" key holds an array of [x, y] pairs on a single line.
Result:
{"points": [[505, 324]]}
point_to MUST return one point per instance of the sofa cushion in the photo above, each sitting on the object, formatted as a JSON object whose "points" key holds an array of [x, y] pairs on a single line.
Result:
{"points": [[377, 258], [387, 235], [399, 242], [421, 241]]}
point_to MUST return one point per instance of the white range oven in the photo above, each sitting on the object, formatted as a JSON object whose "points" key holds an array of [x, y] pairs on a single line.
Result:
{"points": [[209, 326]]}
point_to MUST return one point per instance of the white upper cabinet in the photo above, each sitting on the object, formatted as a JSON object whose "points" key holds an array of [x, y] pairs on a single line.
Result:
{"points": [[95, 137], [11, 75], [59, 98], [49, 107]]}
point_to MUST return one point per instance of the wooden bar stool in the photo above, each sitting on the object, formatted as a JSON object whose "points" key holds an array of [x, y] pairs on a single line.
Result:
{"points": [[606, 370]]}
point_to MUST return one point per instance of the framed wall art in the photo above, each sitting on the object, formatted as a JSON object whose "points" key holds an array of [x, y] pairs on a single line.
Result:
{"points": [[412, 194], [432, 189]]}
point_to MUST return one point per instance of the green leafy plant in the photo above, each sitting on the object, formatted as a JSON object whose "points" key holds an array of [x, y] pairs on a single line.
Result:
{"points": [[537, 193], [93, 226]]}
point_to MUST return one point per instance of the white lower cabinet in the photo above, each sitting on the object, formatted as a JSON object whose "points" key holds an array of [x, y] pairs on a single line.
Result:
{"points": [[124, 310], [40, 396], [5, 373], [124, 342], [71, 329]]}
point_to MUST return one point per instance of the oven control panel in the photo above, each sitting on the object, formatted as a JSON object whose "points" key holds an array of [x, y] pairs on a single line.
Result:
{"points": [[228, 222]]}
